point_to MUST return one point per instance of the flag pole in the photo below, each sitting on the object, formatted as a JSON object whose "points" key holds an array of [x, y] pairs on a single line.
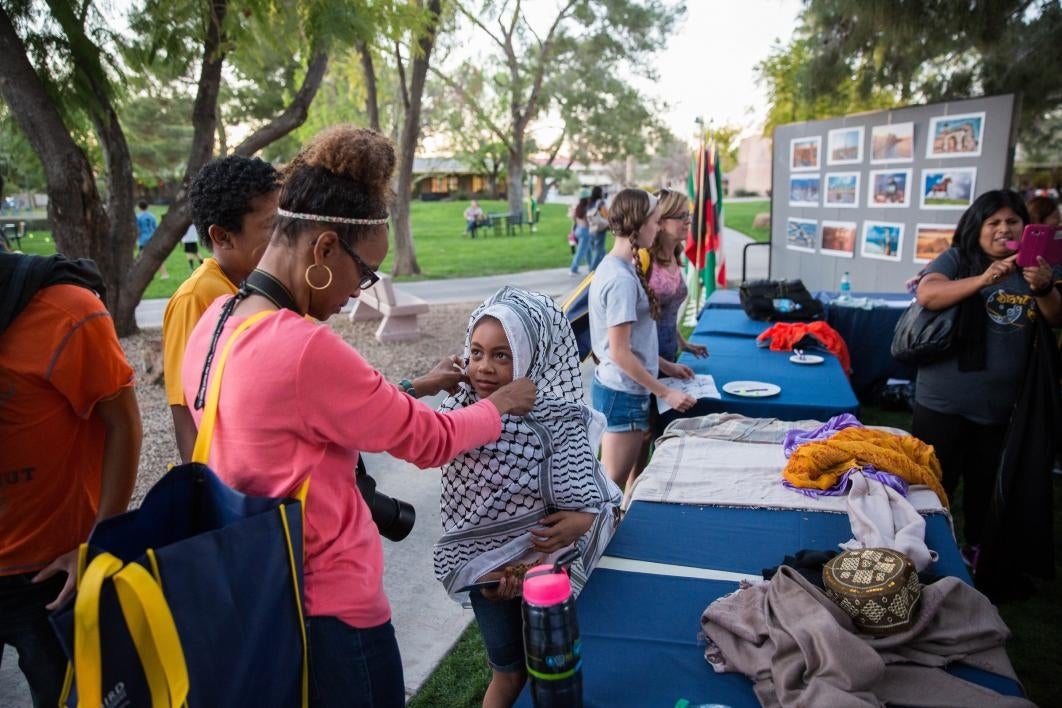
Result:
{"points": [[701, 230]]}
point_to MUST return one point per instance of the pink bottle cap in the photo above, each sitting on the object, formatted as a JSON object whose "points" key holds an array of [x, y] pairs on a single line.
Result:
{"points": [[546, 588]]}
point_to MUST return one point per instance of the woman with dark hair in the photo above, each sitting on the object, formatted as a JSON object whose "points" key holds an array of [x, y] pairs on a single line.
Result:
{"points": [[1043, 210], [623, 312], [582, 235], [596, 216], [963, 403], [299, 404]]}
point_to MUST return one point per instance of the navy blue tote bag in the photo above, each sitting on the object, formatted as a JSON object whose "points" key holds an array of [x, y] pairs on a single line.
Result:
{"points": [[193, 599]]}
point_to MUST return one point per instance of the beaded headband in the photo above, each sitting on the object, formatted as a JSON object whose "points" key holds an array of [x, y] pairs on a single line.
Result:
{"points": [[333, 219]]}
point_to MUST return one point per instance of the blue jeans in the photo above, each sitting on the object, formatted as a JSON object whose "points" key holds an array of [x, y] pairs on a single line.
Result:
{"points": [[352, 667], [623, 411], [25, 627], [502, 627], [597, 249], [582, 248]]}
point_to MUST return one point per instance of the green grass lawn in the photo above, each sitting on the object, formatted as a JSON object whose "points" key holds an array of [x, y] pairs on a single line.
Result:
{"points": [[443, 250], [739, 216], [462, 677]]}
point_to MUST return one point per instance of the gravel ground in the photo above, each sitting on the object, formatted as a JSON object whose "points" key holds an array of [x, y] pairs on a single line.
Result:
{"points": [[442, 333]]}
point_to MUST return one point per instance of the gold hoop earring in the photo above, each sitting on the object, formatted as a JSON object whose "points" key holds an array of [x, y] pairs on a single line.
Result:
{"points": [[307, 276]]}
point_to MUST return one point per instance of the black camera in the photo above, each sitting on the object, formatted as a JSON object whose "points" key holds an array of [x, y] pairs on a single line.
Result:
{"points": [[394, 518]]}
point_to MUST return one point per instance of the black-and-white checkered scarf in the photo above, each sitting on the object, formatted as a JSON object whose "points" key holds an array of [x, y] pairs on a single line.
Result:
{"points": [[543, 462]]}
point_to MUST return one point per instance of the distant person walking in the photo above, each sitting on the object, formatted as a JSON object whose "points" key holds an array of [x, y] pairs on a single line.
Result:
{"points": [[582, 236], [191, 247], [146, 223], [597, 223]]}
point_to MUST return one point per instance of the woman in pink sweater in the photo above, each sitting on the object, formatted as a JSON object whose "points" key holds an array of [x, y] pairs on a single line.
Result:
{"points": [[299, 403]]}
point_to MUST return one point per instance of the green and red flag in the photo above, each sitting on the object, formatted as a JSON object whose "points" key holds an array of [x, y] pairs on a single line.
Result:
{"points": [[704, 245]]}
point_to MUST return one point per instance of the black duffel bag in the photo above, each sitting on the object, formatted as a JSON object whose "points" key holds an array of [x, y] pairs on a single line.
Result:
{"points": [[779, 301], [923, 336]]}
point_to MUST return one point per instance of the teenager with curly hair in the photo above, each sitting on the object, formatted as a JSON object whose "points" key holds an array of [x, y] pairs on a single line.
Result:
{"points": [[298, 403], [623, 312], [234, 207]]}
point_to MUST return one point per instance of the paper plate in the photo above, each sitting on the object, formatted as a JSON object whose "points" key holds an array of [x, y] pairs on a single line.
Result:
{"points": [[806, 359], [752, 389]]}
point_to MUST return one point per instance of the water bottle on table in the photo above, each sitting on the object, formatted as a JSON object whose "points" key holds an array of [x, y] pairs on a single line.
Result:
{"points": [[551, 639], [846, 288]]}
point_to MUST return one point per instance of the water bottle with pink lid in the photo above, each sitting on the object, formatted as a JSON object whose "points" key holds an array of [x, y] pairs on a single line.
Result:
{"points": [[551, 638]]}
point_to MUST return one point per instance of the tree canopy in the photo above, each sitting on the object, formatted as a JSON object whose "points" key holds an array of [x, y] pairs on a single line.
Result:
{"points": [[851, 55]]}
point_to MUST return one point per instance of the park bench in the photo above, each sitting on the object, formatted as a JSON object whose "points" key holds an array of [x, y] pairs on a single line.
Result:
{"points": [[398, 309]]}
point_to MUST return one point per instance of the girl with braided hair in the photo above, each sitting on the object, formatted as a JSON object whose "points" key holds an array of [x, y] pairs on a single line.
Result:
{"points": [[623, 312], [536, 492]]}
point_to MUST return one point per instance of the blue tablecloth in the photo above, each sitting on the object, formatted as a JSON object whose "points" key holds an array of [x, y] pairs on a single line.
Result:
{"points": [[868, 334], [817, 392], [640, 631], [723, 300], [732, 322]]}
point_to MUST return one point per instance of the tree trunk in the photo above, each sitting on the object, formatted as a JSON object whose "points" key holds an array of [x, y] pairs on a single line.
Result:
{"points": [[177, 218], [543, 190], [516, 175], [79, 223], [372, 105], [405, 262]]}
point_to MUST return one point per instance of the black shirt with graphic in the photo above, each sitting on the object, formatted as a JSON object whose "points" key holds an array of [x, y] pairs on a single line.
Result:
{"points": [[988, 396]]}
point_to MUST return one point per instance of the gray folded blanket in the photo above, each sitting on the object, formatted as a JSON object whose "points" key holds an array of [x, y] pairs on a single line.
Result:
{"points": [[801, 649]]}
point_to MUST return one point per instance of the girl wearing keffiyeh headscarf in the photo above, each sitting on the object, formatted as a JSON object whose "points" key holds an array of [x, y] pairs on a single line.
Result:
{"points": [[537, 490]]}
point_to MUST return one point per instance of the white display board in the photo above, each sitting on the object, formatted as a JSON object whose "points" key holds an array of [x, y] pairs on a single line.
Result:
{"points": [[879, 194]]}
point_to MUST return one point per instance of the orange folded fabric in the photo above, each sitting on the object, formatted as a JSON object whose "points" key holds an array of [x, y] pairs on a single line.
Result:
{"points": [[785, 335], [820, 464]]}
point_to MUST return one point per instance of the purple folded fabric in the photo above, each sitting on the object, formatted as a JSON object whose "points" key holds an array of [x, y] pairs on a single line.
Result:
{"points": [[841, 488], [796, 437]]}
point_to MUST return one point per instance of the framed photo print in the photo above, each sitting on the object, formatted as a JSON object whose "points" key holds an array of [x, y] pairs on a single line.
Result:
{"points": [[844, 146], [889, 188], [931, 240], [948, 189], [882, 240], [804, 190], [842, 190], [838, 238], [956, 136], [804, 153], [892, 143], [801, 234]]}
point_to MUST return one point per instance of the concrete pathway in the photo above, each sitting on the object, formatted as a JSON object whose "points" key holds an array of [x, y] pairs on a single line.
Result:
{"points": [[554, 282]]}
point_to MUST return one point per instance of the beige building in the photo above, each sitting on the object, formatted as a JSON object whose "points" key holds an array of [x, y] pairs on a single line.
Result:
{"points": [[753, 171]]}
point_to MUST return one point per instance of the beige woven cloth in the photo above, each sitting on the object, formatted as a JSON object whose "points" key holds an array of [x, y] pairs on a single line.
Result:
{"points": [[724, 459]]}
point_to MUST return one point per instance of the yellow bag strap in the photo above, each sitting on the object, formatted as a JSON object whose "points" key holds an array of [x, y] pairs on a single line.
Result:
{"points": [[210, 411], [88, 665], [154, 634]]}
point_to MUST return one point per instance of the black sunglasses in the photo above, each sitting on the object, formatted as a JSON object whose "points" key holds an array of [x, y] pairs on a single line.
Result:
{"points": [[368, 275]]}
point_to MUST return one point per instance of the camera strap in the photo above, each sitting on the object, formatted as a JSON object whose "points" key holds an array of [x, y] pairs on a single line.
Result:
{"points": [[257, 283]]}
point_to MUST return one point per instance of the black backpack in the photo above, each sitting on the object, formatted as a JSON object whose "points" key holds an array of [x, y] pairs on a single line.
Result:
{"points": [[779, 301]]}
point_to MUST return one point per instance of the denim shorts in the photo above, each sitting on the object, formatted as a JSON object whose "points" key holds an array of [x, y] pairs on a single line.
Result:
{"points": [[624, 411], [502, 627]]}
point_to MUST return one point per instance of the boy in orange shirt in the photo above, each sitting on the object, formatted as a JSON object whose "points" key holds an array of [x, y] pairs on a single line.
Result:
{"points": [[70, 435], [234, 205]]}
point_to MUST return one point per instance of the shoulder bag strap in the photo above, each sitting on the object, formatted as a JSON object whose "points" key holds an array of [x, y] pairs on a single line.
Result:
{"points": [[210, 411]]}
